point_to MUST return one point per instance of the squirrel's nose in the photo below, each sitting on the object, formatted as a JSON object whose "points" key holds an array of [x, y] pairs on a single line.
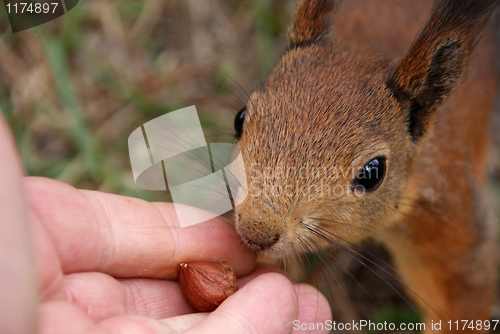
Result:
{"points": [[264, 243], [257, 235]]}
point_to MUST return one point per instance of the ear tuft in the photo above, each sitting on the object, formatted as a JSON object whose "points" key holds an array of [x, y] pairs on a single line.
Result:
{"points": [[437, 61], [312, 20]]}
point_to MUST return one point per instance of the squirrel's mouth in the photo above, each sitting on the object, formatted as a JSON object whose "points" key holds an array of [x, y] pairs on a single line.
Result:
{"points": [[263, 245], [272, 246]]}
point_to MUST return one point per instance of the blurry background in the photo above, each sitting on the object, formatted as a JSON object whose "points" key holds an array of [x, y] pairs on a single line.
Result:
{"points": [[74, 89]]}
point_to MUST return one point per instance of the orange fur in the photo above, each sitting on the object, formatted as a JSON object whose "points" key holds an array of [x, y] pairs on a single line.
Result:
{"points": [[353, 87]]}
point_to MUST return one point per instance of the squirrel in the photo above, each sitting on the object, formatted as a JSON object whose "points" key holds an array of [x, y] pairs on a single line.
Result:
{"points": [[368, 128]]}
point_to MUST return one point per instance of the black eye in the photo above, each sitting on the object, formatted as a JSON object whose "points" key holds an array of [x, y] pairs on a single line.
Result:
{"points": [[372, 174], [238, 122]]}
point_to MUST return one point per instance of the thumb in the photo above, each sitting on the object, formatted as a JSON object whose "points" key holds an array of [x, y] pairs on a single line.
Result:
{"points": [[267, 304]]}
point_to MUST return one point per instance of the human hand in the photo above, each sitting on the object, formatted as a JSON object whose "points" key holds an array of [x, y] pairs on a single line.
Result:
{"points": [[89, 262]]}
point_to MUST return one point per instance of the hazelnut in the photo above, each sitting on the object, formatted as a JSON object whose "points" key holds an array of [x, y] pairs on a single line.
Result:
{"points": [[207, 284]]}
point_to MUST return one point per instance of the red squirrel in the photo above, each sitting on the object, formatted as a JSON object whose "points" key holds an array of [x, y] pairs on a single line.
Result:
{"points": [[360, 133]]}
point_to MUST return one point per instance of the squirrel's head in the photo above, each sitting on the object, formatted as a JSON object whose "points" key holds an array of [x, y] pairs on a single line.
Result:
{"points": [[329, 140]]}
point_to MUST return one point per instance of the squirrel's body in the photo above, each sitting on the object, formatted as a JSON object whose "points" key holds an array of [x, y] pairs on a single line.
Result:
{"points": [[353, 91], [447, 185]]}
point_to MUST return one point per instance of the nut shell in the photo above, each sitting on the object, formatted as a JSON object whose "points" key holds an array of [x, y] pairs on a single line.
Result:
{"points": [[207, 284]]}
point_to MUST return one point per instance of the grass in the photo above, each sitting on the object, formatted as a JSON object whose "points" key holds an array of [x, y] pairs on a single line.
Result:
{"points": [[75, 88]]}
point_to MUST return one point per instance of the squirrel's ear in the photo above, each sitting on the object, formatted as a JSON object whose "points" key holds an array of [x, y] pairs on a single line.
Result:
{"points": [[437, 60], [311, 21]]}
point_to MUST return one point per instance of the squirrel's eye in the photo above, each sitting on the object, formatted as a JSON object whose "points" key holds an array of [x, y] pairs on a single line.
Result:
{"points": [[238, 122], [371, 175]]}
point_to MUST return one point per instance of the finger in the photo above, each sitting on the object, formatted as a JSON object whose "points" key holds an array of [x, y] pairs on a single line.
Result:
{"points": [[261, 268], [314, 311], [59, 317], [267, 304], [17, 279], [128, 237], [48, 269], [184, 322], [134, 324], [102, 296]]}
